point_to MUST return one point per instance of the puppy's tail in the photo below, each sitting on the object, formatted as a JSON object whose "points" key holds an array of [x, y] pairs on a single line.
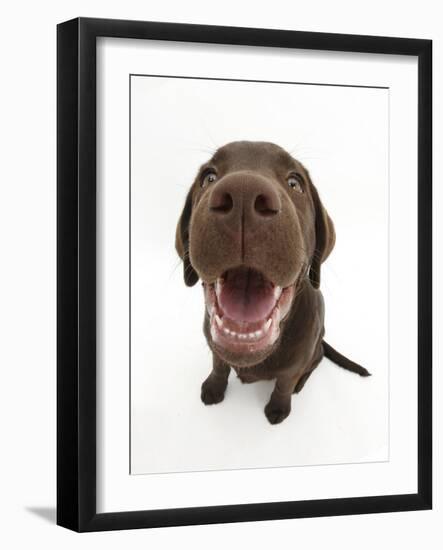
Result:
{"points": [[343, 361]]}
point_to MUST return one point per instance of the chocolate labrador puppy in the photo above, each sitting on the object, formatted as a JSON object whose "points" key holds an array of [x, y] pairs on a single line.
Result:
{"points": [[254, 230]]}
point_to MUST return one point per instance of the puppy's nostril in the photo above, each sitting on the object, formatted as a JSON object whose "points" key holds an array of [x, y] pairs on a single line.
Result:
{"points": [[222, 204], [265, 206]]}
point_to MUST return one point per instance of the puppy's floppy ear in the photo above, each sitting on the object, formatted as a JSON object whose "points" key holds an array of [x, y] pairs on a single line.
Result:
{"points": [[182, 241], [324, 238]]}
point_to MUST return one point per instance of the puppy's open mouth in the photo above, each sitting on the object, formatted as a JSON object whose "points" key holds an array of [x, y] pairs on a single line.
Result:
{"points": [[245, 310]]}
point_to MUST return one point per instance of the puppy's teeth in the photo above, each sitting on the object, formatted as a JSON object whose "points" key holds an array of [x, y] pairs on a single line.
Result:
{"points": [[258, 333], [277, 292], [267, 325], [218, 321], [242, 336], [226, 330], [218, 287]]}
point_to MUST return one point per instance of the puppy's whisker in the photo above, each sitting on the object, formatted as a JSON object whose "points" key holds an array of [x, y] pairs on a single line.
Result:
{"points": [[188, 269], [186, 255], [174, 269]]}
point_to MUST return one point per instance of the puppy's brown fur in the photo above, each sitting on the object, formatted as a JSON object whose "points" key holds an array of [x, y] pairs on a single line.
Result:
{"points": [[286, 236]]}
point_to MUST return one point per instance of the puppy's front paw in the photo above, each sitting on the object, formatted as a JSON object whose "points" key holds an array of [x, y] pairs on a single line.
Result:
{"points": [[277, 412], [213, 391]]}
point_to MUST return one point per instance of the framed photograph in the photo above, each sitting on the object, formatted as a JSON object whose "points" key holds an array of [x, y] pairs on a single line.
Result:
{"points": [[244, 274]]}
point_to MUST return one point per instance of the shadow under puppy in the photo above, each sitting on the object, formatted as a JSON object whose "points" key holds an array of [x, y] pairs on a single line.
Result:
{"points": [[254, 230]]}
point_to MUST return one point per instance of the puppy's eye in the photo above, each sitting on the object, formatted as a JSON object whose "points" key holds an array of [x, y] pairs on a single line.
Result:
{"points": [[208, 178], [295, 181]]}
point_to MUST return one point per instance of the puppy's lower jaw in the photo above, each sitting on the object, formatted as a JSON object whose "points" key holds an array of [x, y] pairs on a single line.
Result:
{"points": [[245, 311]]}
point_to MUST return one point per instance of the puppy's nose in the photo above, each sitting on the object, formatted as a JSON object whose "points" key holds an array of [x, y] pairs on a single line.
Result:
{"points": [[267, 203], [221, 201], [248, 195]]}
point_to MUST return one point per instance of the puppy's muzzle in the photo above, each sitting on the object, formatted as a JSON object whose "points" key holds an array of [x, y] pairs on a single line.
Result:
{"points": [[241, 202]]}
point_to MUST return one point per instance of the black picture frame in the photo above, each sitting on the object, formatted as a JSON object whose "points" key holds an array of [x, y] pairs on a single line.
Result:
{"points": [[76, 273]]}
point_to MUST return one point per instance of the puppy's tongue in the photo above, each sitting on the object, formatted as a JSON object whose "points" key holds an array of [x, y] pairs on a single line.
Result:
{"points": [[245, 295]]}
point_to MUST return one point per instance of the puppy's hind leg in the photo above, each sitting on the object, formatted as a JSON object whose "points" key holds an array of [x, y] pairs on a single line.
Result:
{"points": [[214, 387], [304, 377], [298, 388]]}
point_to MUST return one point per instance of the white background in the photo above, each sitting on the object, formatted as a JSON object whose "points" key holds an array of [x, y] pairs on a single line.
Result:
{"points": [[341, 134], [28, 277]]}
